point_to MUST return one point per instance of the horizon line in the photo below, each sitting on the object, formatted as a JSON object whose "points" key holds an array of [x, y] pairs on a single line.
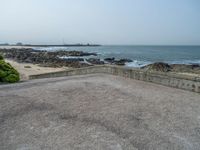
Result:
{"points": [[88, 44]]}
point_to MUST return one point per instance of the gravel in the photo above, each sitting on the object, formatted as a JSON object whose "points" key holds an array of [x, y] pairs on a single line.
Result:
{"points": [[97, 112]]}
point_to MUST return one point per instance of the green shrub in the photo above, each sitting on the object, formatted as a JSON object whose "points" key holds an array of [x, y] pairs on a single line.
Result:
{"points": [[8, 73], [1, 57]]}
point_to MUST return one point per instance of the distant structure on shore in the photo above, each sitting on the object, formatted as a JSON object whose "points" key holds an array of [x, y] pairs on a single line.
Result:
{"points": [[64, 45], [19, 44], [49, 45], [4, 44]]}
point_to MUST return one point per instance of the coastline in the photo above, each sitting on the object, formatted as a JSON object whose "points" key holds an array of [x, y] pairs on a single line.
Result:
{"points": [[46, 46], [27, 69], [29, 61], [140, 55]]}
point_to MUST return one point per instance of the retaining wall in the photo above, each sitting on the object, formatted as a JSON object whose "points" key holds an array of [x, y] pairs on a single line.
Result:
{"points": [[185, 82]]}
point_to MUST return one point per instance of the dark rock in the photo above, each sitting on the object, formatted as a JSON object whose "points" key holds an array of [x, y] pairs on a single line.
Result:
{"points": [[110, 60], [72, 53], [95, 61], [46, 58], [122, 62], [159, 66], [193, 66], [73, 59], [28, 60], [117, 62], [126, 60]]}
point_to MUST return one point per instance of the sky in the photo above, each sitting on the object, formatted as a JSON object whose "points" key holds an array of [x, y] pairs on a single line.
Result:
{"points": [[109, 22]]}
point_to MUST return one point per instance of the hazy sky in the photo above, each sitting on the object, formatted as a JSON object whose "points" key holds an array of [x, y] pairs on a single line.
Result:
{"points": [[100, 21]]}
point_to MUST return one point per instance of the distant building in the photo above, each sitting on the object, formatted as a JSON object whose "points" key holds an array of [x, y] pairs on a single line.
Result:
{"points": [[19, 44]]}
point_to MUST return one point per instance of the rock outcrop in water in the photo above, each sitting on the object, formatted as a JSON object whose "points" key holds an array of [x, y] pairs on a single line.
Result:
{"points": [[120, 62], [95, 61], [110, 60], [74, 59]]}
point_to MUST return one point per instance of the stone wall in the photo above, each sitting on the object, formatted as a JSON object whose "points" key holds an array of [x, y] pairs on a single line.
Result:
{"points": [[185, 82]]}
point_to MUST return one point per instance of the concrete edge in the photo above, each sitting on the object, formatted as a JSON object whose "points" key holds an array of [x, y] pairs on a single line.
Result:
{"points": [[170, 79]]}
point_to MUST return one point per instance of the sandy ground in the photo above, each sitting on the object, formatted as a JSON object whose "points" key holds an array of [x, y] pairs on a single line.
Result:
{"points": [[26, 69], [98, 112]]}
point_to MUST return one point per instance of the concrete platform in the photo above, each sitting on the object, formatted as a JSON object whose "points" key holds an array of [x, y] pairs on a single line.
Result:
{"points": [[95, 112]]}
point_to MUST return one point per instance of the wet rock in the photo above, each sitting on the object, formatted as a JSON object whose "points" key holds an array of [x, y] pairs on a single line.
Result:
{"points": [[126, 60], [110, 60], [122, 62], [95, 61], [119, 62]]}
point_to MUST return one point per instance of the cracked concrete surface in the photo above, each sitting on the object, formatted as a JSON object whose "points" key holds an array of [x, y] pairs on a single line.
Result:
{"points": [[95, 112]]}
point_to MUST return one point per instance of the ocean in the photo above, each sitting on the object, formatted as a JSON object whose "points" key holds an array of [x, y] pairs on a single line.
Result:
{"points": [[142, 55]]}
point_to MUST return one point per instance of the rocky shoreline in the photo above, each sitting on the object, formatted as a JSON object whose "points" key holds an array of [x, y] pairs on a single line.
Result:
{"points": [[76, 59], [57, 58], [164, 67], [46, 58]]}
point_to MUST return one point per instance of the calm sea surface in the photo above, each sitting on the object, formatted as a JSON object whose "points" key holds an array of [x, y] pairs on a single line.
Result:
{"points": [[143, 55]]}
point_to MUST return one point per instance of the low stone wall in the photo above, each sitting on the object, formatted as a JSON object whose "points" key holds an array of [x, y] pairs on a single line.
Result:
{"points": [[185, 82]]}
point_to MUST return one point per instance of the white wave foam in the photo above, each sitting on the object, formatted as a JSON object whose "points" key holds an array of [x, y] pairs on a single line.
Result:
{"points": [[70, 57], [138, 64], [50, 48]]}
